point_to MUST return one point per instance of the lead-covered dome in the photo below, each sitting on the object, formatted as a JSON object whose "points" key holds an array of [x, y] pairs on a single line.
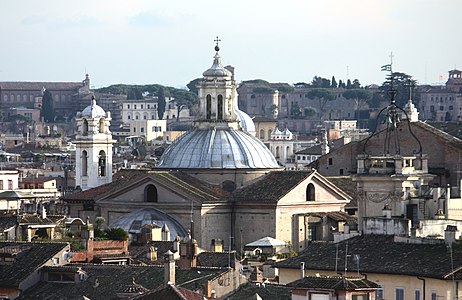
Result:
{"points": [[93, 111], [217, 69], [133, 221], [245, 121], [221, 148]]}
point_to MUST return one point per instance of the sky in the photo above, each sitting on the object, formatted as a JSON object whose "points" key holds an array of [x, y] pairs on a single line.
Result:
{"points": [[170, 42]]}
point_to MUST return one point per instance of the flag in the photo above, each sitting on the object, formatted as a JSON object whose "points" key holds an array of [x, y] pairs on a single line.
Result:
{"points": [[386, 68]]}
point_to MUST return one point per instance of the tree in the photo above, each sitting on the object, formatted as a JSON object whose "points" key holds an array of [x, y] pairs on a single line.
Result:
{"points": [[116, 234], [184, 99], [323, 96], [319, 82], [360, 97], [348, 85], [161, 103], [192, 85], [341, 84], [402, 83], [333, 82], [356, 84], [310, 111], [48, 107]]}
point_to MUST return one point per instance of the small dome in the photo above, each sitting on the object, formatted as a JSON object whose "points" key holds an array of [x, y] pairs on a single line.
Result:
{"points": [[217, 69], [93, 111], [133, 221], [221, 148], [246, 122]]}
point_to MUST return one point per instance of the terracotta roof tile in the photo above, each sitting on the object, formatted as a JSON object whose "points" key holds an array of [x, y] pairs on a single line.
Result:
{"points": [[387, 257], [28, 257], [336, 283], [272, 187]]}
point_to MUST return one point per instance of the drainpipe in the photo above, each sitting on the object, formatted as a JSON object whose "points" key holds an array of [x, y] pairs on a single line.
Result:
{"points": [[423, 288]]}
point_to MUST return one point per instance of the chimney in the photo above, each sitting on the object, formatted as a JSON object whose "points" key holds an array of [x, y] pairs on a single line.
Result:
{"points": [[152, 253], [302, 269], [450, 234], [165, 233], [217, 245], [176, 244], [447, 198], [169, 268], [188, 254]]}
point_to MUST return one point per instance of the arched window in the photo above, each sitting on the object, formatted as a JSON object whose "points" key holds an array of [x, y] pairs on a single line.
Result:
{"points": [[262, 134], [208, 108], [277, 152], [85, 127], [129, 116], [220, 107], [150, 193], [102, 163], [101, 126], [153, 117], [269, 133], [84, 163], [310, 193]]}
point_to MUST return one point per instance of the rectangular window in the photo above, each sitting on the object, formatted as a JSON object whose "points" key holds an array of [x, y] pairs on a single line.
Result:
{"points": [[142, 129], [10, 184], [298, 157], [379, 294], [399, 293], [417, 295], [434, 296], [1, 184], [441, 107], [330, 161], [451, 107], [432, 108], [359, 297]]}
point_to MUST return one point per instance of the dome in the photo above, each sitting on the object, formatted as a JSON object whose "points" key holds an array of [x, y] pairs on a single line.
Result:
{"points": [[220, 148], [246, 122], [93, 111], [217, 70], [133, 221]]}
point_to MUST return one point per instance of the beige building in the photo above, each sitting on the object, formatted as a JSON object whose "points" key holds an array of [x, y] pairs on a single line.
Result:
{"points": [[148, 129], [404, 268]]}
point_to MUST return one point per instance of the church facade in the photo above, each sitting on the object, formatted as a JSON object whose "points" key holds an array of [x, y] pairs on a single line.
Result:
{"points": [[218, 180]]}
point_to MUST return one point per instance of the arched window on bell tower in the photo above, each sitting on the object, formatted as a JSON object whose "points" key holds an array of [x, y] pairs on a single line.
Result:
{"points": [[102, 163], [84, 163], [208, 107], [310, 193], [150, 193], [85, 127], [220, 107]]}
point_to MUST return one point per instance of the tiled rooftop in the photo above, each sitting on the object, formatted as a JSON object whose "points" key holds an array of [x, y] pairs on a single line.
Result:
{"points": [[104, 281], [334, 283], [28, 258], [270, 189], [380, 254]]}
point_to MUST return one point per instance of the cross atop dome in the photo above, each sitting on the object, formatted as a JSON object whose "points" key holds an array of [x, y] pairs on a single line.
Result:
{"points": [[217, 40]]}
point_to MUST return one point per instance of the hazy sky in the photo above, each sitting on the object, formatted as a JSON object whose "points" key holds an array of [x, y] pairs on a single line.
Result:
{"points": [[170, 42]]}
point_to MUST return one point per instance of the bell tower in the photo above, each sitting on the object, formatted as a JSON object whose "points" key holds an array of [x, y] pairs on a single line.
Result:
{"points": [[93, 158], [217, 96]]}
